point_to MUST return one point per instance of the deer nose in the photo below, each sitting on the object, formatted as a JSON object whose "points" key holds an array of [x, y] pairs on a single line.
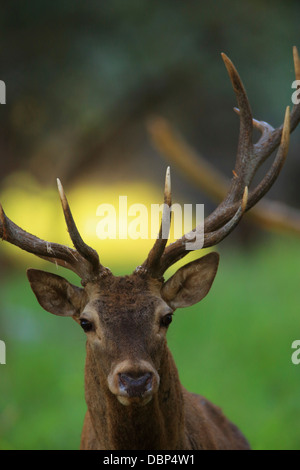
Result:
{"points": [[135, 386]]}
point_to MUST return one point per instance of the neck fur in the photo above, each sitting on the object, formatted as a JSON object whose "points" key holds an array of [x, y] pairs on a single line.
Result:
{"points": [[157, 425]]}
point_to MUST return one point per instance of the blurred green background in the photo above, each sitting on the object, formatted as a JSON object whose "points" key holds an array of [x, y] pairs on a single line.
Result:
{"points": [[82, 80]]}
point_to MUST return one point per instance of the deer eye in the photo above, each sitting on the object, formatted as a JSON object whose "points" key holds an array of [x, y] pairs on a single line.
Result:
{"points": [[86, 325], [166, 320]]}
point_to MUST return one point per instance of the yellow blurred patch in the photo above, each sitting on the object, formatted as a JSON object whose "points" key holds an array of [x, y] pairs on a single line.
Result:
{"points": [[37, 209]]}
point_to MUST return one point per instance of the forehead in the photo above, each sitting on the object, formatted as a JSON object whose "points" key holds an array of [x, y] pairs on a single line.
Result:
{"points": [[123, 297]]}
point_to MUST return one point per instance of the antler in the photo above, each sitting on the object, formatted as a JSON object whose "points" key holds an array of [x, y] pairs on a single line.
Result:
{"points": [[155, 254], [84, 261], [249, 158]]}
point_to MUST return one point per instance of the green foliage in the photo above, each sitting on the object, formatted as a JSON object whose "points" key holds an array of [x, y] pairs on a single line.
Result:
{"points": [[234, 348]]}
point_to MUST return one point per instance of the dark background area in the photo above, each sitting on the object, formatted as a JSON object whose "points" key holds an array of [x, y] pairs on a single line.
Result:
{"points": [[83, 77]]}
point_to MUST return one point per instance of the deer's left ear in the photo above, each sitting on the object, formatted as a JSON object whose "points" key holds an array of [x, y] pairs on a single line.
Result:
{"points": [[55, 294], [191, 283]]}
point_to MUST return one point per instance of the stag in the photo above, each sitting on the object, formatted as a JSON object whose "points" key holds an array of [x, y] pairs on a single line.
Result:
{"points": [[133, 393]]}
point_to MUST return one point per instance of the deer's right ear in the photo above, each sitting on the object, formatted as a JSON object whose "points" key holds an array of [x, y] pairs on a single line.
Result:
{"points": [[55, 294]]}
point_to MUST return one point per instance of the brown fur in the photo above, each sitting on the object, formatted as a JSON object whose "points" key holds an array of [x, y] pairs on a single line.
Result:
{"points": [[128, 336], [174, 420]]}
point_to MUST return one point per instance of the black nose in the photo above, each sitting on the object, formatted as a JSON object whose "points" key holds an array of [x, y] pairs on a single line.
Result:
{"points": [[135, 386]]}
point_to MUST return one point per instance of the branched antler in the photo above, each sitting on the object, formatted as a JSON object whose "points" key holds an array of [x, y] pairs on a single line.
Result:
{"points": [[249, 158], [268, 214]]}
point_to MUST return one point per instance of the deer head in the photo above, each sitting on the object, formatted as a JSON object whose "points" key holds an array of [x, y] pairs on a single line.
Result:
{"points": [[126, 318]]}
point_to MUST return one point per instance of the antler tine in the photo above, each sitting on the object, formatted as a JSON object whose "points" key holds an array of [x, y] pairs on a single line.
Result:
{"points": [[86, 251], [245, 145], [246, 163], [152, 262], [264, 127], [296, 62]]}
